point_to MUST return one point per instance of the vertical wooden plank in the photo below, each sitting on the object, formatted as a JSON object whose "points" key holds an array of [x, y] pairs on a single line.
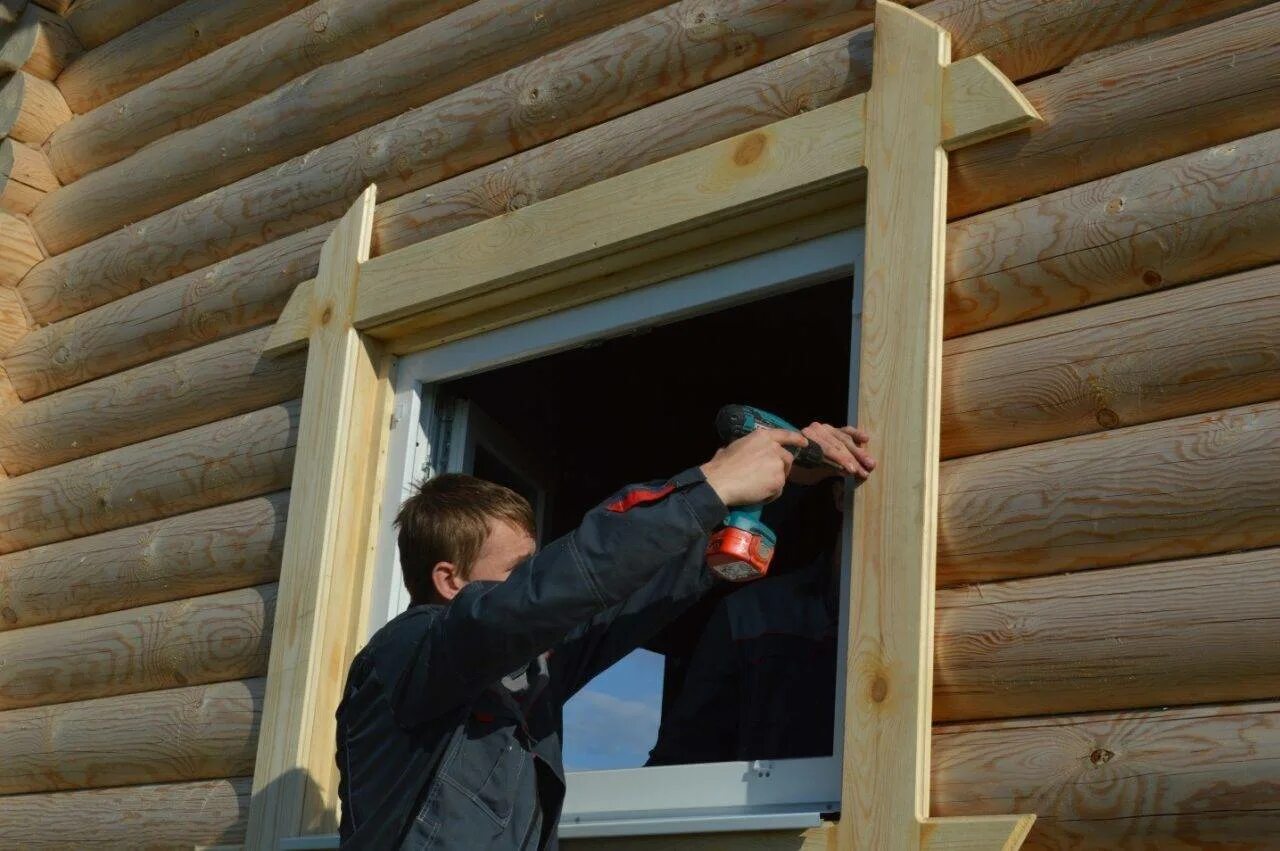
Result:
{"points": [[295, 780], [887, 706]]}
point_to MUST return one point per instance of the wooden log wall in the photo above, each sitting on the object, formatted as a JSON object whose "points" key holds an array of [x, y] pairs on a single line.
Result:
{"points": [[1110, 513]]}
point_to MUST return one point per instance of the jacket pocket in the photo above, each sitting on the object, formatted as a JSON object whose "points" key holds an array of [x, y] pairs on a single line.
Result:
{"points": [[487, 768]]}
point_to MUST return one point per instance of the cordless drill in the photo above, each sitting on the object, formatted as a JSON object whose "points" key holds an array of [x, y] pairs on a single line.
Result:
{"points": [[742, 548]]}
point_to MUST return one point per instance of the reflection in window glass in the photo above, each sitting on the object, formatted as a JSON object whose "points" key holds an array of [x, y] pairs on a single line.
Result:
{"points": [[613, 722]]}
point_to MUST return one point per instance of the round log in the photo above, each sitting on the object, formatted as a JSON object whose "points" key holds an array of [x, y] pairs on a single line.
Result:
{"points": [[40, 43], [30, 108], [99, 21], [25, 176], [203, 552], [19, 251]]}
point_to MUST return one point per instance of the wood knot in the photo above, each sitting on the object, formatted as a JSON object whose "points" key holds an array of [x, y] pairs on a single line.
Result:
{"points": [[879, 689], [1152, 278], [1115, 205], [1101, 756], [62, 356], [327, 316], [750, 149], [320, 22], [9, 615], [1108, 418]]}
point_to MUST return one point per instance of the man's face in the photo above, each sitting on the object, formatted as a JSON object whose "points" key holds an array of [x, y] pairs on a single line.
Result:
{"points": [[505, 547]]}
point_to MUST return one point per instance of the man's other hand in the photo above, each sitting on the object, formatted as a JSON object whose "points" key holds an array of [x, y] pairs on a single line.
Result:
{"points": [[845, 447], [753, 469]]}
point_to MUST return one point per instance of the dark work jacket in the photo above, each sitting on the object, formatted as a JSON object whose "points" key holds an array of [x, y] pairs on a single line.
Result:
{"points": [[761, 684], [449, 730]]}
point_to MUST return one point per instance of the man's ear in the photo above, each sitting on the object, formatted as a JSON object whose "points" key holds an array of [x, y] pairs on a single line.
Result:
{"points": [[447, 580]]}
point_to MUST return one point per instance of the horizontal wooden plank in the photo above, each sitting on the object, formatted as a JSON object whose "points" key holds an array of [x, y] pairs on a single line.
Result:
{"points": [[25, 176], [204, 552], [1165, 634], [159, 45], [208, 465], [99, 21], [1181, 220], [170, 815], [215, 382], [39, 43], [198, 733], [1187, 487], [1199, 348], [1161, 98], [336, 100], [30, 108], [201, 640], [237, 73], [1178, 779]]}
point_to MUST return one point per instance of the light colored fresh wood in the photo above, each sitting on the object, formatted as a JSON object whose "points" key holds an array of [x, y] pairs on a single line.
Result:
{"points": [[212, 464], [25, 176], [14, 325], [189, 642], [40, 43], [1179, 779], [202, 552], [198, 733], [235, 74], [168, 41], [975, 833], [884, 792], [30, 108], [1189, 218], [333, 506], [813, 839], [1198, 348], [1188, 487], [840, 67], [1160, 99], [19, 250], [1163, 634], [99, 21], [572, 238], [215, 382], [980, 103], [208, 812]]}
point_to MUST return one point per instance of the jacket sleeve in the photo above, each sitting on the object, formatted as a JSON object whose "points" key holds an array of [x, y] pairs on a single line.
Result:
{"points": [[492, 628]]}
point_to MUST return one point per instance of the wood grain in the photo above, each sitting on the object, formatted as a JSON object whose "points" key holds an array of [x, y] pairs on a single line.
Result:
{"points": [[203, 552], [213, 464], [1180, 779], [39, 43], [25, 176], [235, 74], [1181, 220], [30, 108], [190, 642], [19, 250], [1199, 348], [1187, 487], [209, 812], [215, 382], [99, 21], [168, 41], [1188, 91], [14, 324], [127, 260], [198, 733], [1165, 634], [58, 6]]}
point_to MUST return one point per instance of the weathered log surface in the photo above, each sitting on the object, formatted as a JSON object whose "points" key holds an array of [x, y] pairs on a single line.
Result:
{"points": [[203, 552], [171, 815], [167, 41], [1181, 220], [1203, 347], [1166, 97], [246, 69], [30, 108], [25, 176], [19, 251], [1186, 778], [39, 43], [1194, 486], [213, 464], [202, 640], [185, 238], [1165, 634], [99, 21], [215, 382], [11, 11], [197, 733], [596, 78], [58, 6]]}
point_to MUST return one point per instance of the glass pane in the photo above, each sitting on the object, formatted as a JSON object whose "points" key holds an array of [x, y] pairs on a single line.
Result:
{"points": [[613, 722]]}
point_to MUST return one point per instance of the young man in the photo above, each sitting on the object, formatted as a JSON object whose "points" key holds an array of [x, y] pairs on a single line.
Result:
{"points": [[449, 731]]}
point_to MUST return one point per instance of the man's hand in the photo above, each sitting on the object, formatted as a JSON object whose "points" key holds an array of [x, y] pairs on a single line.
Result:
{"points": [[752, 469], [845, 447]]}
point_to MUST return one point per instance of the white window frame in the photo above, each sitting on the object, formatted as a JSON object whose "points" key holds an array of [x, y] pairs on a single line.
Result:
{"points": [[729, 796]]}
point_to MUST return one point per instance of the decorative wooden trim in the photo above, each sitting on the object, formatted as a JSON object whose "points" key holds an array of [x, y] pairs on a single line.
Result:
{"points": [[635, 229]]}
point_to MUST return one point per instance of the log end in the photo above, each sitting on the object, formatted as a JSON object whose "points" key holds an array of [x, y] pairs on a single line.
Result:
{"points": [[19, 250], [30, 108], [25, 176]]}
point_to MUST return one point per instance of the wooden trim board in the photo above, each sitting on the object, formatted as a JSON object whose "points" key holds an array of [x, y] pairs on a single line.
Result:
{"points": [[723, 200]]}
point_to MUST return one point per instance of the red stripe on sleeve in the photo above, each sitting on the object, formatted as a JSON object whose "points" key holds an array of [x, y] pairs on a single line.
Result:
{"points": [[639, 496]]}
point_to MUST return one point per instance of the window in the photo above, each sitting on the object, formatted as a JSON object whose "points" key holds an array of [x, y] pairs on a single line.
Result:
{"points": [[568, 407]]}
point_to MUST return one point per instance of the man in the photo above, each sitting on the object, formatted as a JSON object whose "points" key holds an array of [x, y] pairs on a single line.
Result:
{"points": [[449, 731]]}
